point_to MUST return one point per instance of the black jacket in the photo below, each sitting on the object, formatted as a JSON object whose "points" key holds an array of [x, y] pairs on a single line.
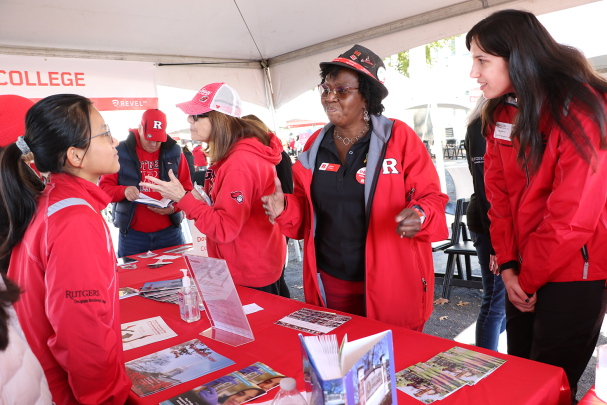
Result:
{"points": [[475, 144]]}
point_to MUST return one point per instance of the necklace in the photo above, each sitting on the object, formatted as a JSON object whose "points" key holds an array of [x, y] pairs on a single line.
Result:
{"points": [[354, 139]]}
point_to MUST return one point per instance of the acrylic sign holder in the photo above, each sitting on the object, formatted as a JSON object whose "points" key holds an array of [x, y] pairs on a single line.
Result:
{"points": [[229, 324]]}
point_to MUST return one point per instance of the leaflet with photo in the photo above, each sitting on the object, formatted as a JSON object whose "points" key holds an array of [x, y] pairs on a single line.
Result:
{"points": [[231, 389], [126, 292], [419, 387], [143, 332], [161, 285], [313, 322], [175, 365], [445, 373], [262, 375]]}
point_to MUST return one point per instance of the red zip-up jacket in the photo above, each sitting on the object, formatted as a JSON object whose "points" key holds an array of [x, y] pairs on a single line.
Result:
{"points": [[399, 272], [69, 312], [544, 220], [236, 226]]}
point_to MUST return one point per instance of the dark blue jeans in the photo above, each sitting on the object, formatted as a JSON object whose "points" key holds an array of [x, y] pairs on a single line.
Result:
{"points": [[491, 320], [140, 242]]}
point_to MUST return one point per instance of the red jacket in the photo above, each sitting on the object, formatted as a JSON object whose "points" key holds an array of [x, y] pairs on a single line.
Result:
{"points": [[542, 221], [69, 311], [144, 219], [399, 274], [236, 226]]}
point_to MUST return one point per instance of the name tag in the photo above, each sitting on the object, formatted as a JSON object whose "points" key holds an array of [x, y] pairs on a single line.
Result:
{"points": [[503, 131], [329, 167]]}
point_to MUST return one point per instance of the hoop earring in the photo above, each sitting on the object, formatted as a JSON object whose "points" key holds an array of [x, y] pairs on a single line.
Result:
{"points": [[366, 115]]}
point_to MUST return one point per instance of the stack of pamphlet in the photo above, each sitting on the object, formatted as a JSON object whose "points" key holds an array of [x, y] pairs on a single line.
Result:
{"points": [[162, 291], [235, 388], [445, 373]]}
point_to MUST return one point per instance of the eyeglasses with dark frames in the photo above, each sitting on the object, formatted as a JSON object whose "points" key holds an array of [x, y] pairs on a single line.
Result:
{"points": [[338, 91], [196, 117]]}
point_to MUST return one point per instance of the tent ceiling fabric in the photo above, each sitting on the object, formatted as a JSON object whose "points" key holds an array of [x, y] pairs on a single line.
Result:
{"points": [[294, 36]]}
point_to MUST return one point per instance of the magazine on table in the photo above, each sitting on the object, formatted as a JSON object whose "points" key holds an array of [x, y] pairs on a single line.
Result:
{"points": [[445, 373], [169, 367], [143, 332], [231, 389], [360, 372], [262, 375], [313, 322], [147, 200], [126, 292]]}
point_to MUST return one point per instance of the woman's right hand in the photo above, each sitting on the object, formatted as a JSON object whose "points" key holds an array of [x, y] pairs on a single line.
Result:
{"points": [[516, 295], [274, 204]]}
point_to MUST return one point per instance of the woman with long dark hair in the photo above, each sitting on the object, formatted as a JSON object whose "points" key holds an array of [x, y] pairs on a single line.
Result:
{"points": [[243, 155], [545, 171], [60, 251]]}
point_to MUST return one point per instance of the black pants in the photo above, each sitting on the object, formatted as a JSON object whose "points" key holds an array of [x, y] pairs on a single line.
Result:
{"points": [[564, 328], [279, 287]]}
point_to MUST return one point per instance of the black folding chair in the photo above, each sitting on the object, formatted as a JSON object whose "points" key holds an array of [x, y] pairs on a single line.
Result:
{"points": [[465, 248]]}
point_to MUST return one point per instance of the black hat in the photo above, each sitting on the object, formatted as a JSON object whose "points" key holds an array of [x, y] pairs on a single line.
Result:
{"points": [[363, 60]]}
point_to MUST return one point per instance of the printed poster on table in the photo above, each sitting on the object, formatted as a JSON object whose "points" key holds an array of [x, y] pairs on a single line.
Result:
{"points": [[175, 365]]}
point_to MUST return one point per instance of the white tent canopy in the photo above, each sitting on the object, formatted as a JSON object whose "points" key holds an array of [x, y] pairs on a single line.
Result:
{"points": [[233, 41]]}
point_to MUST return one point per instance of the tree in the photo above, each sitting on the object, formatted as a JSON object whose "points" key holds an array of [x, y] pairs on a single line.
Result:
{"points": [[402, 59]]}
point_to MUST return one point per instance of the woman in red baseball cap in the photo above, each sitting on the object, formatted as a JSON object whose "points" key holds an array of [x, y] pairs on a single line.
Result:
{"points": [[243, 156], [367, 202], [59, 250]]}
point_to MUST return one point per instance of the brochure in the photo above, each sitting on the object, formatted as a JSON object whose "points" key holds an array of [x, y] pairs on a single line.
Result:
{"points": [[143, 332], [161, 285], [445, 373], [175, 365], [147, 200], [126, 292], [262, 375], [231, 389], [360, 372], [313, 322]]}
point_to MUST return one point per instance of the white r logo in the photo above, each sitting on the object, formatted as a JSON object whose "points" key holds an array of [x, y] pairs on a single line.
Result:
{"points": [[157, 124], [389, 166]]}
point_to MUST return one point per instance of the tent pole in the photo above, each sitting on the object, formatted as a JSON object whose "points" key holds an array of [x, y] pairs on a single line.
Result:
{"points": [[269, 94]]}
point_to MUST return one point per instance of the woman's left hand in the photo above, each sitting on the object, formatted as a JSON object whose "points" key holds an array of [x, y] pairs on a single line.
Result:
{"points": [[173, 190], [409, 223]]}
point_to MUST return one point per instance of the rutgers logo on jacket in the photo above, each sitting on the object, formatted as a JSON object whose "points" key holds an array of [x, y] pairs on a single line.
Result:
{"points": [[389, 166]]}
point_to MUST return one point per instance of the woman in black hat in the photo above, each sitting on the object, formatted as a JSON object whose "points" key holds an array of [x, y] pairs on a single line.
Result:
{"points": [[361, 178]]}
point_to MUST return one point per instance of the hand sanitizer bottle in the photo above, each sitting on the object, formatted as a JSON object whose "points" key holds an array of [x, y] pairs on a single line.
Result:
{"points": [[188, 300]]}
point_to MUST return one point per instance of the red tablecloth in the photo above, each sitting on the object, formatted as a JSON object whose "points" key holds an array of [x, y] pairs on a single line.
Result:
{"points": [[591, 399], [518, 381]]}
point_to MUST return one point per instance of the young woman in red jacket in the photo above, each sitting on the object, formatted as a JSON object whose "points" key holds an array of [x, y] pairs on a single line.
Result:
{"points": [[242, 156], [545, 171], [60, 250]]}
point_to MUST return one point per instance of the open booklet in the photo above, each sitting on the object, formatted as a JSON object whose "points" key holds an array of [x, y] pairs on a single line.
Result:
{"points": [[147, 200], [357, 373]]}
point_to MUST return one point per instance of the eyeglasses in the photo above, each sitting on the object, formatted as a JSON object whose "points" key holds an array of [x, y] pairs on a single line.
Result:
{"points": [[339, 91], [106, 133], [196, 117]]}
